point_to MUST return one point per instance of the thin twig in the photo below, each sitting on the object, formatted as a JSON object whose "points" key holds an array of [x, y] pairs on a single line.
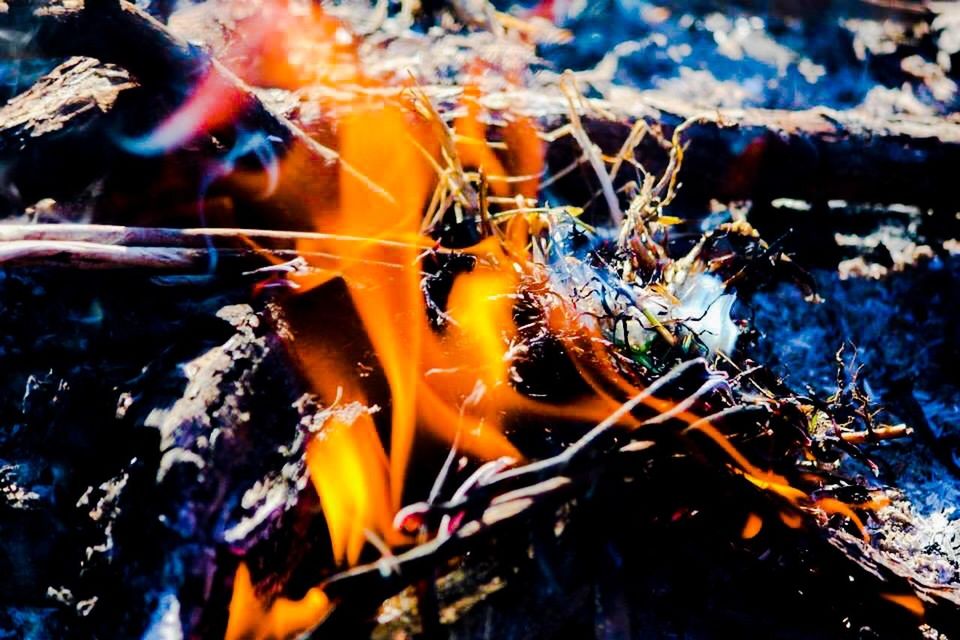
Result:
{"points": [[196, 237], [885, 432], [92, 255]]}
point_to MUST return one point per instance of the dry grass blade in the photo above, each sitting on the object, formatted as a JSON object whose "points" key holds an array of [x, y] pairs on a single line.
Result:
{"points": [[590, 150]]}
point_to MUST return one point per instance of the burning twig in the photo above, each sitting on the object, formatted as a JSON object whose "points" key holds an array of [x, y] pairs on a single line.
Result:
{"points": [[877, 434], [493, 479]]}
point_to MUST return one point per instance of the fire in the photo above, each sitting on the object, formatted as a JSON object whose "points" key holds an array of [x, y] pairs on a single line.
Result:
{"points": [[480, 308], [291, 44], [472, 145], [284, 618], [527, 155], [465, 383], [453, 381], [389, 301], [387, 146], [348, 469]]}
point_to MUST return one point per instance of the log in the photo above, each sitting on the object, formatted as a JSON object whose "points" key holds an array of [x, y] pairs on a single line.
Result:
{"points": [[120, 33], [815, 155], [744, 154], [168, 68], [824, 8], [673, 562], [47, 133], [135, 436]]}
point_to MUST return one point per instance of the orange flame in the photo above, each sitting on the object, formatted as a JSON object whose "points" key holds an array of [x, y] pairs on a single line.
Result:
{"points": [[834, 506], [390, 304], [472, 145], [518, 171], [480, 306], [465, 386], [251, 619], [348, 469], [385, 148], [527, 155], [290, 44]]}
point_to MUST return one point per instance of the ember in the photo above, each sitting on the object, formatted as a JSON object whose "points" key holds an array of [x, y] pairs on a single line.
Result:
{"points": [[361, 319]]}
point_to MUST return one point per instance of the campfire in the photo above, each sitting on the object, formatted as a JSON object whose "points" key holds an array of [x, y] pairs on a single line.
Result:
{"points": [[479, 320]]}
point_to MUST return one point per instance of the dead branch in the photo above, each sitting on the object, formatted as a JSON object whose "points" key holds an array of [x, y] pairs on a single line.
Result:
{"points": [[89, 255], [741, 154]]}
